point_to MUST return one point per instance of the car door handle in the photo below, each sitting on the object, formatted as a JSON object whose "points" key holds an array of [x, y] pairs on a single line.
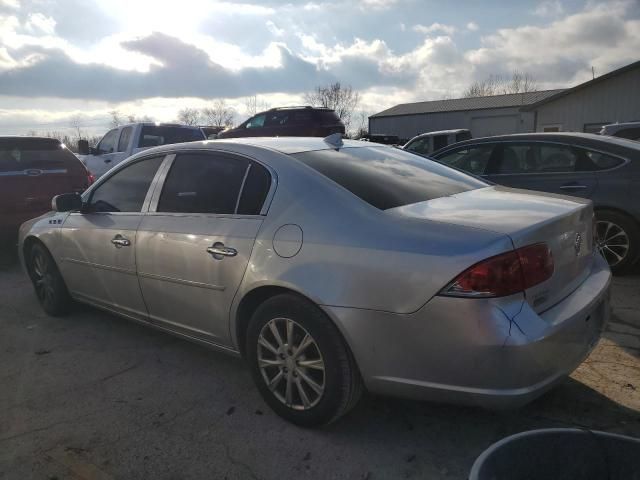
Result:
{"points": [[120, 241], [218, 250], [573, 187], [107, 160]]}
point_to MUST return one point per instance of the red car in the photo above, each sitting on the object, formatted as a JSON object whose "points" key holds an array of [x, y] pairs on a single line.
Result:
{"points": [[32, 171]]}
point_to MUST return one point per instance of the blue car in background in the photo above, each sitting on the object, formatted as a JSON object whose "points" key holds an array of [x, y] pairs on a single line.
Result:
{"points": [[603, 169]]}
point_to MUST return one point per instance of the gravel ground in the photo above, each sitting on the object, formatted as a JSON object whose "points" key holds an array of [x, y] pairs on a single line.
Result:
{"points": [[92, 396]]}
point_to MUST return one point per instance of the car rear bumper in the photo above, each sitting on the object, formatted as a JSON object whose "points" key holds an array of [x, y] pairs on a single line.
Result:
{"points": [[495, 353]]}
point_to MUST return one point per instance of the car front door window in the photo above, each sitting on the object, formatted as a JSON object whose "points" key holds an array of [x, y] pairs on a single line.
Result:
{"points": [[125, 191], [109, 142], [256, 122]]}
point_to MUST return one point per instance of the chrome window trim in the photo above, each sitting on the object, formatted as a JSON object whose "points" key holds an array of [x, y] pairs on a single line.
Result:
{"points": [[153, 194], [625, 160], [244, 180], [265, 205]]}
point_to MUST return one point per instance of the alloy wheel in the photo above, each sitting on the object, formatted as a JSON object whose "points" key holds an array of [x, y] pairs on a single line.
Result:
{"points": [[43, 278], [612, 241], [291, 363]]}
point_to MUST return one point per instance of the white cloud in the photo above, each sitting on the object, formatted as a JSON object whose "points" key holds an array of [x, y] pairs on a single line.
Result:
{"points": [[40, 24], [273, 28], [473, 26], [434, 28], [378, 4], [563, 51], [14, 4], [549, 8]]}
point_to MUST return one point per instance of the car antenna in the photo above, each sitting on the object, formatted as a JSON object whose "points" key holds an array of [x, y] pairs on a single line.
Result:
{"points": [[335, 140]]}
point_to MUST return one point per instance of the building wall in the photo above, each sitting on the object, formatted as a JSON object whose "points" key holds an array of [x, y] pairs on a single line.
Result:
{"points": [[616, 99], [482, 123]]}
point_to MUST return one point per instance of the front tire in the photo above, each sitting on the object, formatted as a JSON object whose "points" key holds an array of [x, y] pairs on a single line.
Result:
{"points": [[300, 362], [618, 238], [47, 281]]}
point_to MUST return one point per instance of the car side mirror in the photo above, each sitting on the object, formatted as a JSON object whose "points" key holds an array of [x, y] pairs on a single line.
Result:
{"points": [[83, 147], [67, 202], [94, 151]]}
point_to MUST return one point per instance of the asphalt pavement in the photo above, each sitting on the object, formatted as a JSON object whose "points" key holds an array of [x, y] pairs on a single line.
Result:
{"points": [[93, 396]]}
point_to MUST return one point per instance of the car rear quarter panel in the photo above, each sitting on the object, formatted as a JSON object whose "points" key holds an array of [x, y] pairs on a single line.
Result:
{"points": [[354, 255]]}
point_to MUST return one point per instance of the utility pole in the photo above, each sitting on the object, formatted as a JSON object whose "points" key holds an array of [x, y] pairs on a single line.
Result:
{"points": [[593, 72]]}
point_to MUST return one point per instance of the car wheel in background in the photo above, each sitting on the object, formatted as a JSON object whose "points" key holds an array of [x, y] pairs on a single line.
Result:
{"points": [[300, 362], [47, 281], [617, 237]]}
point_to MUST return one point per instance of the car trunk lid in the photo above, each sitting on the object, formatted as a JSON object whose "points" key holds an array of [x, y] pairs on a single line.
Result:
{"points": [[563, 223]]}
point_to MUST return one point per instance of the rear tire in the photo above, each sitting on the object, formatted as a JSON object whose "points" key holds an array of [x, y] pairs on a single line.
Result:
{"points": [[618, 238], [310, 386], [47, 281]]}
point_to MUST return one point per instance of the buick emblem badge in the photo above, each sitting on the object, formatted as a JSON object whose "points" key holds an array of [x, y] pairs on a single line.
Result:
{"points": [[577, 244]]}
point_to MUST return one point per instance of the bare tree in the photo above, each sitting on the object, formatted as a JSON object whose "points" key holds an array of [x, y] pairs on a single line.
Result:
{"points": [[116, 119], [255, 104], [132, 118], [362, 124], [75, 122], [343, 99], [219, 114], [189, 116], [520, 82]]}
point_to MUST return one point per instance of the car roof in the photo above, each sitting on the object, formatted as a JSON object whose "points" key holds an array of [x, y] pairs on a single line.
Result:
{"points": [[290, 145], [286, 145], [441, 132], [27, 139], [578, 138]]}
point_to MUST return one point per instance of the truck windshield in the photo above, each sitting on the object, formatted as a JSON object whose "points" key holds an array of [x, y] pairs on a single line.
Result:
{"points": [[154, 135], [387, 177]]}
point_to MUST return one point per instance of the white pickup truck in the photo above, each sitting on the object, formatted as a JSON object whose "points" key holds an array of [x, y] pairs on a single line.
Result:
{"points": [[125, 140]]}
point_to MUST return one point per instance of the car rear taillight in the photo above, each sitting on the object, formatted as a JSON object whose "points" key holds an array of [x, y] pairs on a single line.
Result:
{"points": [[504, 274]]}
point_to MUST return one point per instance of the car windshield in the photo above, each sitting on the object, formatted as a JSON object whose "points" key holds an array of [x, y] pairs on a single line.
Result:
{"points": [[387, 177], [154, 135]]}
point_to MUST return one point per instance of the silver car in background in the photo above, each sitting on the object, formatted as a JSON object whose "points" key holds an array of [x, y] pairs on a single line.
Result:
{"points": [[332, 267]]}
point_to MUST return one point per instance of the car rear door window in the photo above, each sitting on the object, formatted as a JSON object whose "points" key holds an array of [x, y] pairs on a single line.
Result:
{"points": [[473, 159], [203, 183], [125, 138], [255, 190], [440, 141], [125, 190], [277, 119], [154, 135], [556, 159]]}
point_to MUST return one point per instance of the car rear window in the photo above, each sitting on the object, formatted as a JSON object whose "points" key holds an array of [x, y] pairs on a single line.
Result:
{"points": [[154, 135], [25, 154], [387, 177], [327, 117]]}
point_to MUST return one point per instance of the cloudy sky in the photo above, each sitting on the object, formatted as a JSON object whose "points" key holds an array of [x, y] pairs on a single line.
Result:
{"points": [[81, 59]]}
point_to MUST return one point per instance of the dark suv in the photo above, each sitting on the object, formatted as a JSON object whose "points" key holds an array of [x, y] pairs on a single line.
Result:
{"points": [[288, 122], [32, 171]]}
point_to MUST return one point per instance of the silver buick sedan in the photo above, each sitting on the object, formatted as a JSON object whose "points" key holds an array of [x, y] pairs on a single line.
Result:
{"points": [[331, 267]]}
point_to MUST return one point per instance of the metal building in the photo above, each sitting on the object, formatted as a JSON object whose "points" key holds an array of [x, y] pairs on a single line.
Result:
{"points": [[483, 116], [610, 98]]}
